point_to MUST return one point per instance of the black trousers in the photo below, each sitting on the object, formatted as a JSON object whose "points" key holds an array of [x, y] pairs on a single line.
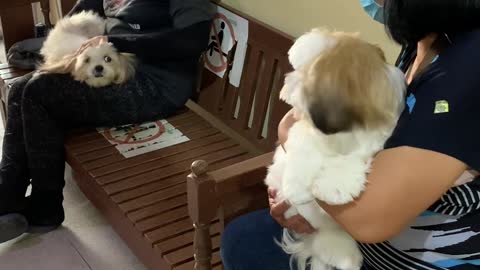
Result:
{"points": [[42, 108]]}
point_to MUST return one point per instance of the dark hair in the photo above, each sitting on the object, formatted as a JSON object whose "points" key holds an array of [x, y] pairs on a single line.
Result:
{"points": [[408, 21]]}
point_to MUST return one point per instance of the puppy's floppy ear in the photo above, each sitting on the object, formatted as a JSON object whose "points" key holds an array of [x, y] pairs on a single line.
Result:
{"points": [[126, 68], [64, 66]]}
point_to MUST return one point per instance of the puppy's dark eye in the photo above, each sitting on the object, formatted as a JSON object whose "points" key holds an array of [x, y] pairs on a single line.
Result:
{"points": [[107, 59], [87, 60]]}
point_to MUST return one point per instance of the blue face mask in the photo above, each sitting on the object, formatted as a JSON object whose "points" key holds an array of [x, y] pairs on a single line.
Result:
{"points": [[374, 10]]}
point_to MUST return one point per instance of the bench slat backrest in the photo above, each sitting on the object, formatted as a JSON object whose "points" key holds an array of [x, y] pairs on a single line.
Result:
{"points": [[253, 109]]}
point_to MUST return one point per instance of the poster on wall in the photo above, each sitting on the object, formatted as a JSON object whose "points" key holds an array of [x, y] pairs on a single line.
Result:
{"points": [[226, 30]]}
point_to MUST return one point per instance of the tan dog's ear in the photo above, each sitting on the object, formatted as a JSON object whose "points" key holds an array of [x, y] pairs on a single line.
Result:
{"points": [[126, 68], [64, 66]]}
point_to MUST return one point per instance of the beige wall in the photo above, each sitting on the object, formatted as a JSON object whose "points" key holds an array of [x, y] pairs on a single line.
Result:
{"points": [[297, 16]]}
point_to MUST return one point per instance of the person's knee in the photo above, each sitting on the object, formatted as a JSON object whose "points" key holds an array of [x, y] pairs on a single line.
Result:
{"points": [[246, 237], [15, 91], [40, 86], [231, 247]]}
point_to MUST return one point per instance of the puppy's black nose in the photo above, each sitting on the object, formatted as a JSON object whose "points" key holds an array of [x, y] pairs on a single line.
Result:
{"points": [[99, 68]]}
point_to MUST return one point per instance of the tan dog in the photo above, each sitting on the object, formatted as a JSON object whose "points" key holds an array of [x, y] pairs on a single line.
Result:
{"points": [[348, 100]]}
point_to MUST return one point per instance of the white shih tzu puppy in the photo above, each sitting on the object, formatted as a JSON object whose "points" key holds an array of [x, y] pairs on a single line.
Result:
{"points": [[348, 100], [96, 66]]}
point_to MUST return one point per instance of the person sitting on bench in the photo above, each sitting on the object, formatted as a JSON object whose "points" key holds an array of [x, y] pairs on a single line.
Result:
{"points": [[168, 38]]}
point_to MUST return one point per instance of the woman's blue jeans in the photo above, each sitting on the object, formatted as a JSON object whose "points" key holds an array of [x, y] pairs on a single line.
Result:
{"points": [[248, 244]]}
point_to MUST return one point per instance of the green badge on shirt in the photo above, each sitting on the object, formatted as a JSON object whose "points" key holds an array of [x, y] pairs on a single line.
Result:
{"points": [[441, 106]]}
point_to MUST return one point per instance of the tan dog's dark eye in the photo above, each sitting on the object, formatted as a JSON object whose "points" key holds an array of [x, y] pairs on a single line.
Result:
{"points": [[87, 60], [107, 59]]}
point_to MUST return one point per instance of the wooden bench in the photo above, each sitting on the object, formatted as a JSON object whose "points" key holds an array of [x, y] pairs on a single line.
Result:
{"points": [[231, 129]]}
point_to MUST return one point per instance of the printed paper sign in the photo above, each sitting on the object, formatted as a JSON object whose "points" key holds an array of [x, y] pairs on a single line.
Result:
{"points": [[133, 140], [227, 28]]}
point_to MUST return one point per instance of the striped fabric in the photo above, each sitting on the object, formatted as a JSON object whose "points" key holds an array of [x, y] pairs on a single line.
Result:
{"points": [[447, 236]]}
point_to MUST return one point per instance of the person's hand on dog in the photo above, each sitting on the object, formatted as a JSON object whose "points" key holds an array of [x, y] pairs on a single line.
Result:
{"points": [[93, 42], [296, 223], [285, 124]]}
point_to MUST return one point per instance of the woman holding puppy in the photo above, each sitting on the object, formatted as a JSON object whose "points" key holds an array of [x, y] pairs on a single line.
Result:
{"points": [[420, 208], [167, 38]]}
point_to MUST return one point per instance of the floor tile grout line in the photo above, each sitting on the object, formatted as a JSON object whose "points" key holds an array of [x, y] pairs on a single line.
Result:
{"points": [[79, 254]]}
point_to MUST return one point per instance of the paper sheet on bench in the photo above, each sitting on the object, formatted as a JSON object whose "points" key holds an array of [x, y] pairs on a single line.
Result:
{"points": [[133, 140]]}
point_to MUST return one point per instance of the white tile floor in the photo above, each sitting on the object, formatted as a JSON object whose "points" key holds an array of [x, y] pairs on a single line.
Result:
{"points": [[85, 242]]}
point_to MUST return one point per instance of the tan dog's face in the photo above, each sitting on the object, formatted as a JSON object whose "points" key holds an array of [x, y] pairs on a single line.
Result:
{"points": [[347, 85], [101, 66]]}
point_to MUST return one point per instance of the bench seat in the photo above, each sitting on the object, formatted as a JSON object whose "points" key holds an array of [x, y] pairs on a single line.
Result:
{"points": [[144, 197]]}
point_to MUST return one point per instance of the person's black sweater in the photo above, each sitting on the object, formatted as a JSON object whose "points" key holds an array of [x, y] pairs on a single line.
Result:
{"points": [[154, 30], [169, 35]]}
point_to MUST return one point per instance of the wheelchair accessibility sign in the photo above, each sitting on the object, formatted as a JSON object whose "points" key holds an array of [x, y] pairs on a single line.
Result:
{"points": [[227, 30]]}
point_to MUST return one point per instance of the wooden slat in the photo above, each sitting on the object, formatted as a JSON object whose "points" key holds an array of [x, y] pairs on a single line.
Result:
{"points": [[152, 198], [169, 231], [185, 157], [232, 93], [162, 219], [185, 253], [247, 90], [86, 158], [278, 107], [263, 96], [157, 208], [202, 139], [153, 187], [12, 75], [184, 239], [6, 70], [169, 171], [190, 264]]}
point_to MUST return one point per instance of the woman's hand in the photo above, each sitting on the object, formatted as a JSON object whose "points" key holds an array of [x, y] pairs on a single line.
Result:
{"points": [[93, 42], [296, 223], [285, 124]]}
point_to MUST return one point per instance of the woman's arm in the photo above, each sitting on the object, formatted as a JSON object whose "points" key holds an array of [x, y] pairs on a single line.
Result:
{"points": [[182, 43], [403, 182], [93, 5]]}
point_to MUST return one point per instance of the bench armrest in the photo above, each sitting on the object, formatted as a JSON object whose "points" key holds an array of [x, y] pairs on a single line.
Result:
{"points": [[241, 175], [207, 190]]}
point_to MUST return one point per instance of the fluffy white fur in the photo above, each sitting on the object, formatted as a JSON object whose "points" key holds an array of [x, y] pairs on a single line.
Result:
{"points": [[96, 66], [103, 65], [331, 168], [70, 33]]}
